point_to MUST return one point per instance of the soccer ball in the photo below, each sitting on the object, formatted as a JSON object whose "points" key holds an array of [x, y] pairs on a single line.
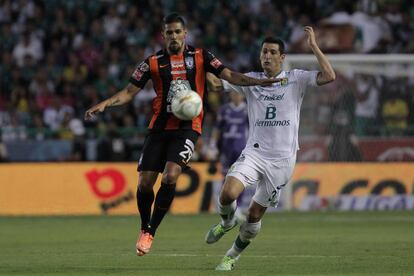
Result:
{"points": [[186, 105]]}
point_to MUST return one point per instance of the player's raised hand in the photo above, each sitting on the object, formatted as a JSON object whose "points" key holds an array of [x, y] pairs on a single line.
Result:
{"points": [[310, 36], [91, 112]]}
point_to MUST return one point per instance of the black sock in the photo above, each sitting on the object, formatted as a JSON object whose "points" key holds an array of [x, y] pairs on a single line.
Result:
{"points": [[163, 200], [145, 198]]}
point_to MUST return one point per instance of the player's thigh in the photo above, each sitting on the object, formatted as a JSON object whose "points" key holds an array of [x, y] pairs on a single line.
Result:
{"points": [[154, 152], [181, 147], [269, 189], [245, 170]]}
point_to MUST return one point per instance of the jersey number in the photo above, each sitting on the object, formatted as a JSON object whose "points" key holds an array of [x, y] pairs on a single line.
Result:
{"points": [[188, 151]]}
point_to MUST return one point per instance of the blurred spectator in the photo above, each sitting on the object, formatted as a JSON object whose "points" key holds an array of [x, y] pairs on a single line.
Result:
{"points": [[112, 147], [395, 112], [78, 52], [54, 114], [14, 130], [29, 45], [38, 130], [75, 72], [343, 145], [367, 103], [112, 24], [3, 151], [89, 55]]}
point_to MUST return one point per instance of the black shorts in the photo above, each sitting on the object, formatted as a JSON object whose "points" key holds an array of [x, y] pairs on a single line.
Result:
{"points": [[169, 145]]}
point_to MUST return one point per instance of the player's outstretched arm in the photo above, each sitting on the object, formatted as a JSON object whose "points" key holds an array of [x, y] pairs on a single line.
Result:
{"points": [[214, 84], [240, 79], [327, 73], [122, 97]]}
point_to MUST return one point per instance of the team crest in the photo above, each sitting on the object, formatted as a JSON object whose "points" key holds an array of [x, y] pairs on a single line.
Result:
{"points": [[284, 81], [189, 62]]}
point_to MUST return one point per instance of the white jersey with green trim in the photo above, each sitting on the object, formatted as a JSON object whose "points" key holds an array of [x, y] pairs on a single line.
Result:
{"points": [[274, 112]]}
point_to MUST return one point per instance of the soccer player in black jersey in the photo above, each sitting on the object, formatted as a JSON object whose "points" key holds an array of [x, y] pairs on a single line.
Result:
{"points": [[170, 142]]}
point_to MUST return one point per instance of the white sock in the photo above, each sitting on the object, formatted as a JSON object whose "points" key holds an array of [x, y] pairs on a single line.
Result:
{"points": [[234, 251], [228, 212]]}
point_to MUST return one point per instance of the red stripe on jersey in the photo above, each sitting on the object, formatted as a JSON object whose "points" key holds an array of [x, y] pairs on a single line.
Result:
{"points": [[157, 82], [200, 81]]}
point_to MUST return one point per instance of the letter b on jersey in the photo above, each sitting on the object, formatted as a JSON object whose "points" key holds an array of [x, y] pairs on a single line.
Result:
{"points": [[270, 112]]}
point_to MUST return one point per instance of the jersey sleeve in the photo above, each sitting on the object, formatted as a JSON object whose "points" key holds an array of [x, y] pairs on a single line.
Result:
{"points": [[307, 78], [212, 64], [141, 74]]}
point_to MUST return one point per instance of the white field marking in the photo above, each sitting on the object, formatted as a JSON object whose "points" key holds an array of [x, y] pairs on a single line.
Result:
{"points": [[255, 256], [348, 219]]}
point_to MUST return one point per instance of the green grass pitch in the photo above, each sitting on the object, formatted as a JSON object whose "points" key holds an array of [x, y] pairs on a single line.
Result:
{"points": [[369, 243]]}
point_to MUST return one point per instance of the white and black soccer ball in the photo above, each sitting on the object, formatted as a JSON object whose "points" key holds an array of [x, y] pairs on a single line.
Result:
{"points": [[186, 105]]}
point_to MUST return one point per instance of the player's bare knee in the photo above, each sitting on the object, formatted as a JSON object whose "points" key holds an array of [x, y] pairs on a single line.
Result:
{"points": [[226, 198], [169, 178], [228, 194], [171, 173], [248, 231], [255, 212], [231, 190]]}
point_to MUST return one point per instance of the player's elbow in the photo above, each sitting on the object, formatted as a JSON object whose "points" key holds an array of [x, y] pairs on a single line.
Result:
{"points": [[215, 86], [213, 83], [332, 76], [328, 77]]}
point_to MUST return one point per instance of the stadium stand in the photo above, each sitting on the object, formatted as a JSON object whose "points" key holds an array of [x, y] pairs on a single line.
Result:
{"points": [[60, 57]]}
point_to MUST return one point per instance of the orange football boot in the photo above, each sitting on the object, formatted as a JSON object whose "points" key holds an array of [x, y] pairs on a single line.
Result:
{"points": [[144, 243]]}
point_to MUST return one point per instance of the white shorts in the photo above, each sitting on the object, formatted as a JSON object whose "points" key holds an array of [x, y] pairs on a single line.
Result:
{"points": [[270, 176]]}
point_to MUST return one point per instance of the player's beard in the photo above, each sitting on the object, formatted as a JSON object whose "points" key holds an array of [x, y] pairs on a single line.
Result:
{"points": [[174, 47]]}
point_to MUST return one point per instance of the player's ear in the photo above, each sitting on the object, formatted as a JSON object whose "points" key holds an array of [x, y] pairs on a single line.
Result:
{"points": [[282, 57]]}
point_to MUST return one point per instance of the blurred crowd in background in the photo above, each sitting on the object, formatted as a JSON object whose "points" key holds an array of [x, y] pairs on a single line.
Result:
{"points": [[59, 58]]}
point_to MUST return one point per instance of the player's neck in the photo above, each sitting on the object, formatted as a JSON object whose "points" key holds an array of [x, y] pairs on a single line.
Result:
{"points": [[273, 73]]}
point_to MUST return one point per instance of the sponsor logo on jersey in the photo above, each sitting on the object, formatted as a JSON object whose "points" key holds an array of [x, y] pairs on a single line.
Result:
{"points": [[143, 67], [177, 64], [271, 97], [137, 75], [215, 63], [272, 123]]}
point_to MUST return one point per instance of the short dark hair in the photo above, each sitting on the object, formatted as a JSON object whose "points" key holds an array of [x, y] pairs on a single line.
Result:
{"points": [[172, 18], [275, 40]]}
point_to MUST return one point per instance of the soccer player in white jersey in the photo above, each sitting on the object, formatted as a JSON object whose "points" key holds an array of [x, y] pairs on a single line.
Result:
{"points": [[269, 157]]}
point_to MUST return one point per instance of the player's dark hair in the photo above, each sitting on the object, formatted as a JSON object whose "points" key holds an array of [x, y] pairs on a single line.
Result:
{"points": [[172, 18], [275, 40]]}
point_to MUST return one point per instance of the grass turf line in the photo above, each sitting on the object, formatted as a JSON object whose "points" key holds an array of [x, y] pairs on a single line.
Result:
{"points": [[368, 243]]}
